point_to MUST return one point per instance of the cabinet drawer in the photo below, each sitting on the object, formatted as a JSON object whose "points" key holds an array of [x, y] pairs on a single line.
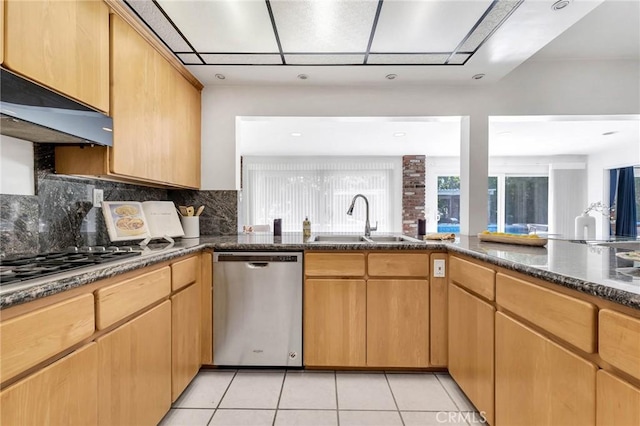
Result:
{"points": [[617, 402], [570, 319], [398, 264], [34, 337], [619, 337], [475, 278], [334, 264], [185, 272], [120, 300]]}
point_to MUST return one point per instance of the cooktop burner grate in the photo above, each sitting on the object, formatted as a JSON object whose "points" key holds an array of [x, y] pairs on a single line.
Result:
{"points": [[22, 268]]}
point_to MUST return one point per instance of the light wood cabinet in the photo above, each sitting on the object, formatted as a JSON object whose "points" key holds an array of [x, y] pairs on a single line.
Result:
{"points": [[335, 322], [397, 323], [438, 328], [156, 120], [134, 370], [538, 382], [63, 45], [471, 350], [63, 393], [620, 341], [206, 308], [398, 264], [334, 264], [185, 338], [618, 402], [34, 337], [475, 278]]}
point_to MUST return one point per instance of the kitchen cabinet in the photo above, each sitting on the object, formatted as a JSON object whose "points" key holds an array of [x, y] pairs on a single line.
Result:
{"points": [[156, 120], [63, 45], [185, 338], [619, 342], [335, 322], [539, 382], [471, 348], [438, 311], [206, 308], [618, 402], [63, 393], [397, 323], [134, 370]]}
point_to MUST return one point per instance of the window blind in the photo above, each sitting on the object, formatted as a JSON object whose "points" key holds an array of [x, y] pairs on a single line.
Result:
{"points": [[321, 188]]}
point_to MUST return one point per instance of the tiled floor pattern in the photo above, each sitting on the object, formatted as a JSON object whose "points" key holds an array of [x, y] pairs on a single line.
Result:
{"points": [[321, 398]]}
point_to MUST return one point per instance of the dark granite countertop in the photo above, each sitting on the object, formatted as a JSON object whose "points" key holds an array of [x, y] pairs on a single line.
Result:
{"points": [[594, 270]]}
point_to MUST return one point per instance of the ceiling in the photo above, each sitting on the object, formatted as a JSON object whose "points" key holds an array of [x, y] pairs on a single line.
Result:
{"points": [[433, 136], [363, 41]]}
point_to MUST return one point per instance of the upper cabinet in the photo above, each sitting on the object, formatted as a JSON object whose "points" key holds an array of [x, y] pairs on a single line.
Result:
{"points": [[63, 45], [156, 120]]}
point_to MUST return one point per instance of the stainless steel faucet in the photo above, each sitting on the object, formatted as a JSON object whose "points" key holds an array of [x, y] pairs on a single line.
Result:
{"points": [[367, 226]]}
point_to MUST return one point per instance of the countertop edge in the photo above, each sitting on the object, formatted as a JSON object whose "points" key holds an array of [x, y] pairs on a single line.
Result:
{"points": [[57, 286]]}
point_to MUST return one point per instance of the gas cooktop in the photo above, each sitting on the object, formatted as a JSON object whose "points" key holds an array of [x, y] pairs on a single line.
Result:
{"points": [[23, 268]]}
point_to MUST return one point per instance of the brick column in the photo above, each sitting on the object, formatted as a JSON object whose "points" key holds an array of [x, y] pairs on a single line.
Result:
{"points": [[413, 192]]}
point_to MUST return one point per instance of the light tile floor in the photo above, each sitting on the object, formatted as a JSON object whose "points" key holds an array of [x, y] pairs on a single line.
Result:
{"points": [[321, 398]]}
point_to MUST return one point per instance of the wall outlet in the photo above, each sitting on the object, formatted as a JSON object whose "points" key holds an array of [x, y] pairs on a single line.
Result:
{"points": [[438, 268], [98, 197]]}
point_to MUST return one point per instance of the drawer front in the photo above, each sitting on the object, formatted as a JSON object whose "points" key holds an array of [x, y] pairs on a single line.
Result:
{"points": [[34, 337], [617, 402], [185, 272], [476, 278], [619, 337], [398, 264], [334, 264], [120, 300], [570, 319]]}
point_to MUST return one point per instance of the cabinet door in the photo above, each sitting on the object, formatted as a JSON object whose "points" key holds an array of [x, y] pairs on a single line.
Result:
{"points": [[61, 44], [471, 335], [134, 376], [539, 382], [398, 323], [185, 338], [64, 393], [335, 322], [618, 402]]}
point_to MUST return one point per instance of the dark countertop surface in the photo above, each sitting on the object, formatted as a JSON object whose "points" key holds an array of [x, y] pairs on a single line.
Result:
{"points": [[591, 269]]}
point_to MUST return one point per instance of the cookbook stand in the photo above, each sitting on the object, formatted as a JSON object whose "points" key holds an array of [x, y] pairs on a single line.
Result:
{"points": [[144, 243]]}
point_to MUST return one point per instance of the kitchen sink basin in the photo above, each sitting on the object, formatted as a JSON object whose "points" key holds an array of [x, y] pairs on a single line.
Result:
{"points": [[377, 239], [626, 245]]}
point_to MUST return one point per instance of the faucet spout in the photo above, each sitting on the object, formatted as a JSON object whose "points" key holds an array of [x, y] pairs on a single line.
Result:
{"points": [[367, 225]]}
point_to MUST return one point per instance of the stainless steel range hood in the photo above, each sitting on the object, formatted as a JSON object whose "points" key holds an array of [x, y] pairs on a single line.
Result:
{"points": [[34, 113]]}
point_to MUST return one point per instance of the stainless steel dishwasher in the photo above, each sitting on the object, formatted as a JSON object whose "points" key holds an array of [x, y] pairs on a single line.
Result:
{"points": [[257, 309]]}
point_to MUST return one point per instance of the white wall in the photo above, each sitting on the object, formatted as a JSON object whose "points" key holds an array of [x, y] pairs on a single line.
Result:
{"points": [[534, 88], [16, 166]]}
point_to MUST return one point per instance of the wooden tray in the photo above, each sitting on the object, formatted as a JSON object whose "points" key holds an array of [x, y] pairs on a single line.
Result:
{"points": [[515, 239]]}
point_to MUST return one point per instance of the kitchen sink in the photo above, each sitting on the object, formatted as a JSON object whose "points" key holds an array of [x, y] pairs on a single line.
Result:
{"points": [[626, 245], [377, 239]]}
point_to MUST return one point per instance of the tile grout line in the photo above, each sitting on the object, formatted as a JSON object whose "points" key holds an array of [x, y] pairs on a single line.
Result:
{"points": [[235, 373], [451, 397], [394, 398], [275, 415]]}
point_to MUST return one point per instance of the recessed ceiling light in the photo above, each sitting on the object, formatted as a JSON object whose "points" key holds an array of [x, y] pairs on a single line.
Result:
{"points": [[220, 76], [106, 129], [391, 76], [560, 4], [296, 134], [613, 132], [399, 134], [302, 76], [477, 76]]}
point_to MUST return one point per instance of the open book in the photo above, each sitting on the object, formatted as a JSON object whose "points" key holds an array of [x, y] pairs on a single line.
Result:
{"points": [[132, 220]]}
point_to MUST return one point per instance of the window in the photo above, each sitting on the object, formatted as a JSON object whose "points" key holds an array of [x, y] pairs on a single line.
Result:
{"points": [[518, 204], [293, 188], [448, 204]]}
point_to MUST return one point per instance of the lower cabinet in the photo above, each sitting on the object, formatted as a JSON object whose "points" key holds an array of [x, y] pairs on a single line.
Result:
{"points": [[397, 323], [335, 322], [471, 350], [64, 393], [185, 338], [538, 382], [618, 402], [134, 370]]}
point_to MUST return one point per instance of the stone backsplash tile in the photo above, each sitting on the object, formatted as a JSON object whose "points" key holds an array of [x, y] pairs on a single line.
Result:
{"points": [[220, 214], [18, 224]]}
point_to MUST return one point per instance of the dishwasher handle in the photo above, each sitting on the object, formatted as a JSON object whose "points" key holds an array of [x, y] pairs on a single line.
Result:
{"points": [[257, 265]]}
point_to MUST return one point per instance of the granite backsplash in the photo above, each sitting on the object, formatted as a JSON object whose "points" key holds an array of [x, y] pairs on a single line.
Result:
{"points": [[61, 213]]}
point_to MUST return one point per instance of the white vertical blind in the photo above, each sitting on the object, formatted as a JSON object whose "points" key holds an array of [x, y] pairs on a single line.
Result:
{"points": [[321, 188]]}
